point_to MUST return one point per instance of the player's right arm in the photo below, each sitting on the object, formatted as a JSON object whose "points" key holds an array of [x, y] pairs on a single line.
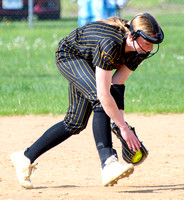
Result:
{"points": [[104, 80]]}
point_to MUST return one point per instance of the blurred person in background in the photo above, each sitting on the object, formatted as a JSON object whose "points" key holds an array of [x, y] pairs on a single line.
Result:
{"points": [[94, 10], [120, 4]]}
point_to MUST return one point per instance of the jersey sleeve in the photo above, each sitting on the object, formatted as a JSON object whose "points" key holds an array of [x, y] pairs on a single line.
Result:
{"points": [[105, 54]]}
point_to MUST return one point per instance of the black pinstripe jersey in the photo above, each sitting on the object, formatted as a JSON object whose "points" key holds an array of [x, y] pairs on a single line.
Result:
{"points": [[101, 45]]}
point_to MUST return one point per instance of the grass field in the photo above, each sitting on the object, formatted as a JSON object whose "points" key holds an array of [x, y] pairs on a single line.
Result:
{"points": [[31, 84]]}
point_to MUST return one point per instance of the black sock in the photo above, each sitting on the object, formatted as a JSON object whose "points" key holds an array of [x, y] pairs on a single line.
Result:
{"points": [[52, 137], [102, 135]]}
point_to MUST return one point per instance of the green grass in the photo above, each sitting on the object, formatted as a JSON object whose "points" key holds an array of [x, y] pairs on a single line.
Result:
{"points": [[31, 84], [29, 79], [149, 3], [157, 86]]}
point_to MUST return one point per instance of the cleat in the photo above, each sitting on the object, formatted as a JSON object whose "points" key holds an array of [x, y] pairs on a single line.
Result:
{"points": [[23, 168], [113, 171]]}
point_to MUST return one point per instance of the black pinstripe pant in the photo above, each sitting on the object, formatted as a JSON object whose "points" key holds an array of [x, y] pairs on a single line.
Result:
{"points": [[82, 88]]}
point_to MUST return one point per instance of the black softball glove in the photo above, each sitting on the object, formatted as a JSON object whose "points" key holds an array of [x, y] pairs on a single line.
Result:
{"points": [[128, 155]]}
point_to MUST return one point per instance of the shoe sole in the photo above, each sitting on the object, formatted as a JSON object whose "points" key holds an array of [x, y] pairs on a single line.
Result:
{"points": [[123, 175]]}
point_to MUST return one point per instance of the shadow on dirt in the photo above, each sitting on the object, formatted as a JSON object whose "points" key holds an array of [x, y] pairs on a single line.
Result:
{"points": [[59, 186], [152, 189]]}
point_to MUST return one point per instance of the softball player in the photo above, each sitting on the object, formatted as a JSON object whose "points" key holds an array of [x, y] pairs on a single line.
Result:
{"points": [[86, 58]]}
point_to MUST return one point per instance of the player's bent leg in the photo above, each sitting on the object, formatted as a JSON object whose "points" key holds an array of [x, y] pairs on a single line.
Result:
{"points": [[23, 161], [23, 168], [112, 170]]}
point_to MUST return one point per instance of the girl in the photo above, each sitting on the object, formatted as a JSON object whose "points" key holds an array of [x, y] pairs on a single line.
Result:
{"points": [[86, 58]]}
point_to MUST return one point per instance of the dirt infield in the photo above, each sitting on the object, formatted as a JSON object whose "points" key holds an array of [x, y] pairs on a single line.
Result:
{"points": [[71, 171]]}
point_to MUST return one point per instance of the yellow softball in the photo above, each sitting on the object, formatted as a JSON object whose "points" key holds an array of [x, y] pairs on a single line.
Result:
{"points": [[137, 157]]}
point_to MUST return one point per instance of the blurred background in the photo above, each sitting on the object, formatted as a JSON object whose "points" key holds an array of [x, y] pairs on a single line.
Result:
{"points": [[33, 11]]}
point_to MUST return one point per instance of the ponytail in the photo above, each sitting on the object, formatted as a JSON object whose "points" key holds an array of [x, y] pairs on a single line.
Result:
{"points": [[118, 22]]}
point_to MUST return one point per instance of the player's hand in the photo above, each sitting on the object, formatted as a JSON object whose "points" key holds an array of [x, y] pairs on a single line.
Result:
{"points": [[130, 138]]}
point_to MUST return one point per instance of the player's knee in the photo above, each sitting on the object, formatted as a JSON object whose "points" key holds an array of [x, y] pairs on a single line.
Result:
{"points": [[75, 128], [97, 106]]}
